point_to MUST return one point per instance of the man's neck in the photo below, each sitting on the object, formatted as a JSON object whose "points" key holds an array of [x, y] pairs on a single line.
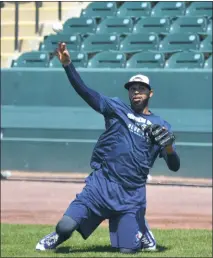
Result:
{"points": [[146, 111]]}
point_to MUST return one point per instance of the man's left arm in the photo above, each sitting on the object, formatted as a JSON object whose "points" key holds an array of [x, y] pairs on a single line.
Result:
{"points": [[171, 157], [165, 138]]}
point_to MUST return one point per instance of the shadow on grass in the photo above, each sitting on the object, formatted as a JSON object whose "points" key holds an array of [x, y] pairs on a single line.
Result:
{"points": [[99, 248], [161, 248]]}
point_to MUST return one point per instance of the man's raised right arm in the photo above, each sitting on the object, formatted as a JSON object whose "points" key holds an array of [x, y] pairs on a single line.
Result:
{"points": [[93, 98]]}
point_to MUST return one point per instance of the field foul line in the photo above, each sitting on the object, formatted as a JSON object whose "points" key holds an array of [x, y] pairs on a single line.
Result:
{"points": [[16, 139]]}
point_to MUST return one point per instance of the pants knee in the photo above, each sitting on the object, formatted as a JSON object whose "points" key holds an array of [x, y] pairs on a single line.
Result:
{"points": [[66, 226], [128, 251]]}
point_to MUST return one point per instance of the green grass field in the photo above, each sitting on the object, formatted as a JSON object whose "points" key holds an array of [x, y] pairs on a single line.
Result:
{"points": [[20, 241]]}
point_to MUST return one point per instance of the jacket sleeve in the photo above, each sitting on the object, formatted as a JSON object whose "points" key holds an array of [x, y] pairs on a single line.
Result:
{"points": [[94, 99], [172, 159]]}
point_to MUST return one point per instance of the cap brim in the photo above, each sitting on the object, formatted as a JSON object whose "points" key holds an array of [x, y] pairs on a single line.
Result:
{"points": [[128, 84]]}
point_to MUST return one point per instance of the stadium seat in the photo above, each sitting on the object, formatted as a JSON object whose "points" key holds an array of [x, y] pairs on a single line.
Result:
{"points": [[159, 25], [55, 63], [189, 24], [208, 63], [50, 42], [146, 60], [79, 59], [107, 59], [185, 60], [80, 25], [209, 28], [115, 25], [100, 42], [100, 9], [179, 42], [139, 42], [168, 9], [201, 8], [206, 45], [134, 9], [32, 59]]}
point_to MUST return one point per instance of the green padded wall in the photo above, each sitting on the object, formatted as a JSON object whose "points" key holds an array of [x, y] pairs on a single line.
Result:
{"points": [[47, 127], [50, 87]]}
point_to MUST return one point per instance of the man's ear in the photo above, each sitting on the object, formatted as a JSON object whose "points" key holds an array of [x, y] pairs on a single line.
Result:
{"points": [[151, 93]]}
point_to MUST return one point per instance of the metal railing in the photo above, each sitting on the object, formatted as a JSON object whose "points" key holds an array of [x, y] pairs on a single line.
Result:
{"points": [[38, 5], [16, 24]]}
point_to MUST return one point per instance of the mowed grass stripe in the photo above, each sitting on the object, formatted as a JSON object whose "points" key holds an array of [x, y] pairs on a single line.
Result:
{"points": [[20, 241]]}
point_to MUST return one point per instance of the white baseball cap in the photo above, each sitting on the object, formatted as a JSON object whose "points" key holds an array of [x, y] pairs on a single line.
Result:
{"points": [[138, 78]]}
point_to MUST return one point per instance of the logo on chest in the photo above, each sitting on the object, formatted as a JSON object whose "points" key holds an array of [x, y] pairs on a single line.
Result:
{"points": [[137, 124]]}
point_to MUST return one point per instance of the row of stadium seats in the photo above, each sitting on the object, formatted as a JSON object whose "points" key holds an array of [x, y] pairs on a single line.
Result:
{"points": [[159, 25], [138, 9], [131, 43], [107, 59]]}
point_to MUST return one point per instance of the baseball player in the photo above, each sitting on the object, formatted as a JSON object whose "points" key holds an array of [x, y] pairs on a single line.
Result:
{"points": [[124, 153]]}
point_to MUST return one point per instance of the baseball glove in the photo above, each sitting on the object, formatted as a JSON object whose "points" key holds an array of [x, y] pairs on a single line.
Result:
{"points": [[159, 135]]}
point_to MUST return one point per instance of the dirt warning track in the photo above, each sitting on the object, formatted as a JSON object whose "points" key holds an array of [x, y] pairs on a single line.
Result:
{"points": [[28, 202]]}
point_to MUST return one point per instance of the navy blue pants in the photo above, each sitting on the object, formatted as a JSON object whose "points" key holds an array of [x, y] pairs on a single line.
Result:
{"points": [[100, 200]]}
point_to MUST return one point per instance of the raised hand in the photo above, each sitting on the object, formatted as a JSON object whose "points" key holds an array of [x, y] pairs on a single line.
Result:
{"points": [[63, 54]]}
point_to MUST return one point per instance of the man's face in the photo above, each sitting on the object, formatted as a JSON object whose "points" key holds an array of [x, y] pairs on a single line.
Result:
{"points": [[139, 95]]}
